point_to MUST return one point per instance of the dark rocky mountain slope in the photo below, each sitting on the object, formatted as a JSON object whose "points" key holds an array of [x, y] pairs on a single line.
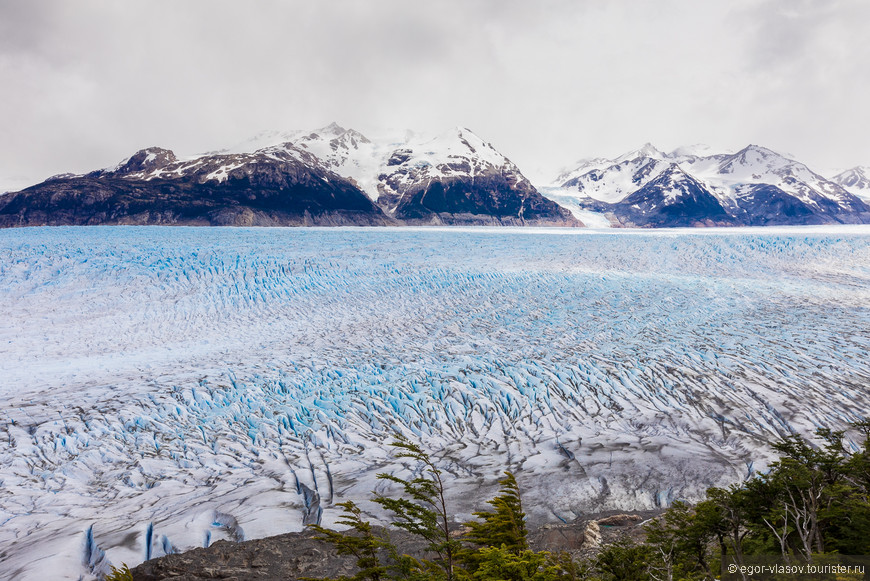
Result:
{"points": [[280, 186]]}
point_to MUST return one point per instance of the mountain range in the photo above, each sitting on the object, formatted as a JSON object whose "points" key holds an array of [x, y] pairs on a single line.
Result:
{"points": [[692, 187], [335, 176]]}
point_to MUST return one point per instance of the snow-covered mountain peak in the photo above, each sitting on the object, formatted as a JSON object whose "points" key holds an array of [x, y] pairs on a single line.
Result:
{"points": [[353, 137], [453, 175], [674, 171], [648, 150], [857, 176], [470, 138], [759, 165], [856, 180], [333, 129], [335, 135], [611, 181], [347, 152], [459, 142], [755, 159], [673, 178], [332, 138], [261, 140], [580, 167], [271, 138], [146, 160], [454, 153]]}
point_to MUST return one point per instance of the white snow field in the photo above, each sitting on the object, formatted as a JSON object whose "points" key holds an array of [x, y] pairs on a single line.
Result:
{"points": [[165, 387]]}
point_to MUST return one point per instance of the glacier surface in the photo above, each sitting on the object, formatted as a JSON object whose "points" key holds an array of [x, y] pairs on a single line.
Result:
{"points": [[163, 388]]}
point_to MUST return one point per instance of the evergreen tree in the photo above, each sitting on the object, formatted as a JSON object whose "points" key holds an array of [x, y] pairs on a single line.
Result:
{"points": [[503, 564], [506, 524], [122, 574], [624, 561], [858, 465], [422, 512], [680, 539], [362, 543]]}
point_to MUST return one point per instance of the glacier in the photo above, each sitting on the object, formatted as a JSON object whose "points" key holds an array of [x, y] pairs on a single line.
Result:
{"points": [[163, 388]]}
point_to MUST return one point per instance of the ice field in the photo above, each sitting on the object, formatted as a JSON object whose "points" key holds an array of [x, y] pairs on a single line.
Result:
{"points": [[162, 388]]}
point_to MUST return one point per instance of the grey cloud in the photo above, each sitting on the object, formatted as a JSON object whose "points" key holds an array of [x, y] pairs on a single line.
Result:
{"points": [[85, 83], [21, 25]]}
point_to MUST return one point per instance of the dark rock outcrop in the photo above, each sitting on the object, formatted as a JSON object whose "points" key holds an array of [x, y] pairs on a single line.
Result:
{"points": [[291, 556], [489, 199], [620, 520], [287, 557]]}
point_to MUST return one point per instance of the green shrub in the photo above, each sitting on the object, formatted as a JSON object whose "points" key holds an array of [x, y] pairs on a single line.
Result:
{"points": [[122, 574]]}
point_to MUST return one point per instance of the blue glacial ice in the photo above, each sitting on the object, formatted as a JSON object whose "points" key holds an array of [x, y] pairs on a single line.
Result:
{"points": [[163, 388]]}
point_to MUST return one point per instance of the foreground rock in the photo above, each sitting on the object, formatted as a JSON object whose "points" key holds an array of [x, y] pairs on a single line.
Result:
{"points": [[299, 555], [289, 556]]}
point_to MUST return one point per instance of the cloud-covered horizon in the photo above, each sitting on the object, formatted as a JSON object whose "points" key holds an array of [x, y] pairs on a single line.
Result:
{"points": [[84, 84]]}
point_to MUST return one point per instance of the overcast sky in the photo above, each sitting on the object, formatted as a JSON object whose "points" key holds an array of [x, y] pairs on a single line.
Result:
{"points": [[84, 84]]}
